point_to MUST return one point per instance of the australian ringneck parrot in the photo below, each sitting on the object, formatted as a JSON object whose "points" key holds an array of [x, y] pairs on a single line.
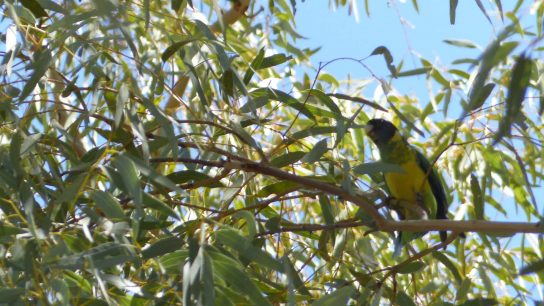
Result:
{"points": [[417, 192]]}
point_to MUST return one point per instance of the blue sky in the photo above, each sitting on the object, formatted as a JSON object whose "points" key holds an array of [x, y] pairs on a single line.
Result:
{"points": [[340, 35]]}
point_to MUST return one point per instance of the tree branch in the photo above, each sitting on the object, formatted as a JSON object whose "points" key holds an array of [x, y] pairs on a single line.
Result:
{"points": [[482, 226]]}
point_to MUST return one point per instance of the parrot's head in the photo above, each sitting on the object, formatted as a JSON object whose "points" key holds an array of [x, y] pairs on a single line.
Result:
{"points": [[380, 131]]}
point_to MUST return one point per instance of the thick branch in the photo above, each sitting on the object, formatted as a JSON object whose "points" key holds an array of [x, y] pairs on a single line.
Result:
{"points": [[481, 226]]}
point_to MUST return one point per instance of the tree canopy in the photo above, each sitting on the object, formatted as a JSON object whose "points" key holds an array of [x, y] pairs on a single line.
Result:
{"points": [[175, 152]]}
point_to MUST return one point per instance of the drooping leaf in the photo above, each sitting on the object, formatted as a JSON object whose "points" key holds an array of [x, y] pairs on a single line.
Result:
{"points": [[387, 57], [477, 197], [413, 72], [35, 7], [403, 299], [317, 151], [287, 159], [448, 264], [532, 267], [230, 271], [162, 247], [519, 82], [278, 188], [267, 94], [108, 204], [247, 250], [273, 60], [453, 9], [42, 60], [172, 49], [482, 8], [254, 66], [130, 178], [411, 267]]}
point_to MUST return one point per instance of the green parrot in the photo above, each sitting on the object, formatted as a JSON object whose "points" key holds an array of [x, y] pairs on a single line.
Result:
{"points": [[417, 192]]}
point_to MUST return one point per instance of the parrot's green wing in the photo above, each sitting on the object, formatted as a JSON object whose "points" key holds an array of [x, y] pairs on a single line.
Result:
{"points": [[436, 187]]}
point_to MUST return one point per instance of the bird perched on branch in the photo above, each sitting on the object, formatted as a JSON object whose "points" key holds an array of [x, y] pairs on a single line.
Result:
{"points": [[417, 191]]}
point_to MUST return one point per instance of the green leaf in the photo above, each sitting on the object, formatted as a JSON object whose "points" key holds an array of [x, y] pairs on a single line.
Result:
{"points": [[493, 54], [172, 263], [482, 8], [274, 60], [416, 71], [153, 175], [453, 8], [461, 43], [247, 250], [244, 136], [122, 100], [42, 60], [11, 295], [254, 64], [162, 246], [403, 299], [480, 302], [176, 5], [172, 49], [130, 178], [278, 188], [317, 151], [377, 167], [411, 267], [519, 82], [146, 14], [448, 264], [230, 271], [287, 159], [338, 297], [108, 204], [35, 7], [483, 94], [325, 99], [477, 197], [152, 202], [251, 224], [387, 57], [266, 94], [462, 292], [326, 209], [186, 176], [532, 267]]}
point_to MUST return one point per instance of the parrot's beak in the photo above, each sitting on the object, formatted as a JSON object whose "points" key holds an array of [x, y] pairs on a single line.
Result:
{"points": [[369, 130]]}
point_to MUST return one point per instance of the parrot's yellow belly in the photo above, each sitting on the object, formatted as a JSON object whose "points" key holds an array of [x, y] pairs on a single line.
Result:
{"points": [[404, 186], [411, 189]]}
